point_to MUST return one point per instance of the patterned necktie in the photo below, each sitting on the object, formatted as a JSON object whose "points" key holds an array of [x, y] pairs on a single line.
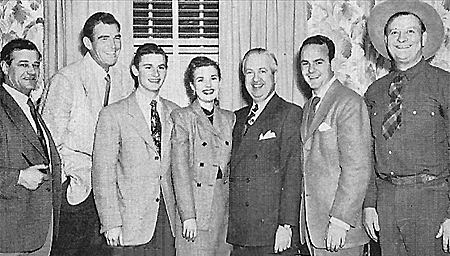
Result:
{"points": [[155, 126], [107, 90], [393, 118], [39, 131], [250, 119], [312, 110]]}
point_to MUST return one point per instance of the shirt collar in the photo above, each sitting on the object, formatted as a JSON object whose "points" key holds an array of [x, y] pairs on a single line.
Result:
{"points": [[95, 67], [143, 100], [19, 97], [412, 71], [326, 87], [262, 104]]}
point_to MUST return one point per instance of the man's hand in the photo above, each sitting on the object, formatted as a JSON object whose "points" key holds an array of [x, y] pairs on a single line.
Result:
{"points": [[282, 238], [335, 237], [444, 232], [371, 222], [190, 229], [114, 236], [31, 178]]}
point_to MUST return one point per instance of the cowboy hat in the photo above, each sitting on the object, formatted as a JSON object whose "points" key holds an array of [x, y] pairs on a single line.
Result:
{"points": [[381, 13]]}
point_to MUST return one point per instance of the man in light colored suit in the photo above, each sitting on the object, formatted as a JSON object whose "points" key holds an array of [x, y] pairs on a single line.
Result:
{"points": [[336, 138], [131, 174], [75, 96], [265, 168], [30, 171]]}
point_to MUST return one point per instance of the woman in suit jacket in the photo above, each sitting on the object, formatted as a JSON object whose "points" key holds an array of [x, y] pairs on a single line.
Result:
{"points": [[201, 146]]}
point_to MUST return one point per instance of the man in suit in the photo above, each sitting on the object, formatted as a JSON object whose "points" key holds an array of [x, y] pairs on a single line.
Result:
{"points": [[30, 174], [131, 174], [75, 96], [408, 196], [336, 173], [265, 166]]}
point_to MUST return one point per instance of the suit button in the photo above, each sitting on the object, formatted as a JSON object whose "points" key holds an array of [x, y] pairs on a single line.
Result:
{"points": [[248, 180], [48, 189], [204, 144], [202, 164], [247, 204], [227, 143], [156, 158], [255, 156], [199, 184], [160, 177], [157, 200]]}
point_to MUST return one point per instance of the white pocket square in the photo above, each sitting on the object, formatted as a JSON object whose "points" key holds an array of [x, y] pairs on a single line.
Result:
{"points": [[268, 135], [324, 127]]}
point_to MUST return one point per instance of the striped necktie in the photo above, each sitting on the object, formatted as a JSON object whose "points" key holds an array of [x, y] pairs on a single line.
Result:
{"points": [[393, 118]]}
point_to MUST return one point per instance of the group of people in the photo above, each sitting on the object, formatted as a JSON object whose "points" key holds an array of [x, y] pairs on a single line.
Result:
{"points": [[109, 167]]}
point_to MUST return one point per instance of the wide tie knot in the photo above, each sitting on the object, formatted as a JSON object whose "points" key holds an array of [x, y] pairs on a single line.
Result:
{"points": [[312, 109], [153, 104], [396, 86]]}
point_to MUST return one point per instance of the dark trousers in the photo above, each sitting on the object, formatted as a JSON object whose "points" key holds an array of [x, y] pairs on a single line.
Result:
{"points": [[410, 217], [79, 229], [161, 244]]}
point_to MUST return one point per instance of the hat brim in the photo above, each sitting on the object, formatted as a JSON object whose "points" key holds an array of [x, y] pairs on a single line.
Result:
{"points": [[381, 13]]}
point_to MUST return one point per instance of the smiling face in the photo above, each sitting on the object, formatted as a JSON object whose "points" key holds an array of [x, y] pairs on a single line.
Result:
{"points": [[316, 66], [206, 83], [151, 72], [405, 40], [23, 72], [259, 77], [105, 45]]}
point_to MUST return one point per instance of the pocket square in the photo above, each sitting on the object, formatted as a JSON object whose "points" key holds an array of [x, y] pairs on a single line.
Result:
{"points": [[268, 135], [324, 127]]}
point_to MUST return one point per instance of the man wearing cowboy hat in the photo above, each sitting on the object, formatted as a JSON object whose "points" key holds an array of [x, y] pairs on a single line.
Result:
{"points": [[407, 200]]}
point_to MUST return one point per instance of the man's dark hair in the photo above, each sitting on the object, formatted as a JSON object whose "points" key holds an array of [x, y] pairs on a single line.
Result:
{"points": [[17, 45], [197, 62], [148, 48], [398, 14], [94, 20], [320, 40]]}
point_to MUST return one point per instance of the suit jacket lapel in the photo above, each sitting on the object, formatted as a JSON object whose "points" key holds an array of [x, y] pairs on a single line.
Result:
{"points": [[18, 118], [322, 111], [166, 130], [138, 121], [204, 121]]}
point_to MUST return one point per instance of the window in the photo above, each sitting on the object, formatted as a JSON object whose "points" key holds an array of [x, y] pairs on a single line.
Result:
{"points": [[183, 28]]}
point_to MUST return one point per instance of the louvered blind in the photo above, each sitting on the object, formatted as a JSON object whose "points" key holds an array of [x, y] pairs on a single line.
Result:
{"points": [[185, 26]]}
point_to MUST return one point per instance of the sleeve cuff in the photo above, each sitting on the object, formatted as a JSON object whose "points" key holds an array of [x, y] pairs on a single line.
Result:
{"points": [[340, 223]]}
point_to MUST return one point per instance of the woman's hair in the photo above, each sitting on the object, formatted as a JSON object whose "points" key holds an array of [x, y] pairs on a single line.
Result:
{"points": [[197, 62]]}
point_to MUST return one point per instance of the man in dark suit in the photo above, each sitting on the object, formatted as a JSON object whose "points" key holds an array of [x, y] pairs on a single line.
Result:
{"points": [[265, 170], [30, 181]]}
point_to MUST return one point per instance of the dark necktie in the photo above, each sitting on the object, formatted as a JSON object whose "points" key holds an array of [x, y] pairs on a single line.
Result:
{"points": [[312, 110], [155, 126], [107, 90], [250, 119], [39, 131], [393, 118]]}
